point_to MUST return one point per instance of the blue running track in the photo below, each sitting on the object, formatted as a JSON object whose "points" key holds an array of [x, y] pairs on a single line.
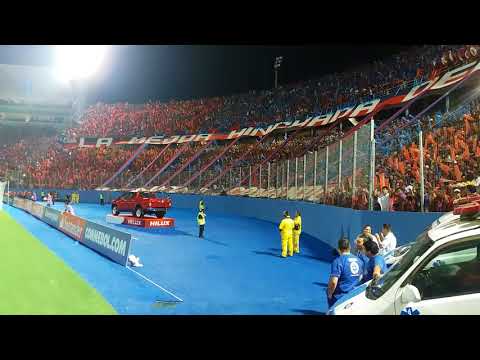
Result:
{"points": [[236, 269]]}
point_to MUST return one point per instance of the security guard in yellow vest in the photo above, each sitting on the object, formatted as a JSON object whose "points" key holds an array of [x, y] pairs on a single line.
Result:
{"points": [[201, 206], [297, 230], [201, 223], [286, 232]]}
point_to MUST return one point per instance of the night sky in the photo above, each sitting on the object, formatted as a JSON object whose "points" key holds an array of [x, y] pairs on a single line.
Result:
{"points": [[139, 73]]}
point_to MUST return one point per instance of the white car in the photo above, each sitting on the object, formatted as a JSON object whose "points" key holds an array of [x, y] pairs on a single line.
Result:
{"points": [[438, 275], [395, 255]]}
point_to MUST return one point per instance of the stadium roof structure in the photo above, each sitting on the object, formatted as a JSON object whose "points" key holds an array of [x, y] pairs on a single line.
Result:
{"points": [[33, 95], [33, 85]]}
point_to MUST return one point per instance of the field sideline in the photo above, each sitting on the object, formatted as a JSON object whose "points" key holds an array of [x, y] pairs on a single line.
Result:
{"points": [[37, 282]]}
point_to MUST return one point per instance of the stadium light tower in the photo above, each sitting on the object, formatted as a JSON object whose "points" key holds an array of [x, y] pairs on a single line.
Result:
{"points": [[276, 68], [76, 64]]}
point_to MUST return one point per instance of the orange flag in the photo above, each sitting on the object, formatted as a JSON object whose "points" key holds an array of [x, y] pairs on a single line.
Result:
{"points": [[457, 173], [452, 151], [416, 173], [445, 169], [429, 139], [466, 153], [395, 164]]}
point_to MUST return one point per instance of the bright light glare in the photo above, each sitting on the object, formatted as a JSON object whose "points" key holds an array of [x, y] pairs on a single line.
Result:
{"points": [[74, 62]]}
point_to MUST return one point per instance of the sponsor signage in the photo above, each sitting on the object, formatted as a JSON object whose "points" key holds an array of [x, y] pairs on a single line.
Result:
{"points": [[111, 243], [20, 203], [160, 223], [51, 216], [149, 222], [37, 210], [27, 206], [133, 221], [72, 225], [441, 82]]}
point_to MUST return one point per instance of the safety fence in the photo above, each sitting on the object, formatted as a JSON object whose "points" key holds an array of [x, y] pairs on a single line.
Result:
{"points": [[329, 175], [421, 160]]}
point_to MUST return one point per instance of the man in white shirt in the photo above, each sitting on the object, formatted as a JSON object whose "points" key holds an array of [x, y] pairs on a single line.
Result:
{"points": [[384, 200], [69, 208], [388, 241]]}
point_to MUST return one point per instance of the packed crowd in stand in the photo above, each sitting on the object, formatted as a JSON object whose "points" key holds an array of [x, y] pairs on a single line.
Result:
{"points": [[287, 103], [451, 157], [451, 152]]}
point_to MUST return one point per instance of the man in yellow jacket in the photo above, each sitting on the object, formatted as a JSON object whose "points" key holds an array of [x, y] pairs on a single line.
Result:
{"points": [[297, 230], [201, 217], [286, 232]]}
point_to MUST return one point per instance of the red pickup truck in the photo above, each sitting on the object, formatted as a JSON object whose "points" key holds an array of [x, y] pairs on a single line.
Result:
{"points": [[140, 204]]}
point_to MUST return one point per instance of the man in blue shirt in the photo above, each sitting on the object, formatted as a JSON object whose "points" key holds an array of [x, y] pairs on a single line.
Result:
{"points": [[346, 273], [376, 265], [359, 251]]}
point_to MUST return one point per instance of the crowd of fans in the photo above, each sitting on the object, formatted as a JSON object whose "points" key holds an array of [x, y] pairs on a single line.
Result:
{"points": [[451, 157], [287, 103], [451, 152]]}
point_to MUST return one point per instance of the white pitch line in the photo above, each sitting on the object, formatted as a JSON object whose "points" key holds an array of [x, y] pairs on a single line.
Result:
{"points": [[150, 281]]}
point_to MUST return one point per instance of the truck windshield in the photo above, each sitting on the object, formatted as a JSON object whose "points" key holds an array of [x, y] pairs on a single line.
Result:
{"points": [[419, 247], [146, 195]]}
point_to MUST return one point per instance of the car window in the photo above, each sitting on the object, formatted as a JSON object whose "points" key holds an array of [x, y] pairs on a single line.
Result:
{"points": [[128, 196], [452, 271], [419, 247], [454, 257]]}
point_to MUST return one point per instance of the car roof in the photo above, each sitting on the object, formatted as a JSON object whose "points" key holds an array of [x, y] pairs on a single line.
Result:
{"points": [[452, 226]]}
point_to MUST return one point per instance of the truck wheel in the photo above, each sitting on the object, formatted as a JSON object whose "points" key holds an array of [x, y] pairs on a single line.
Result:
{"points": [[115, 210], [138, 212], [161, 214]]}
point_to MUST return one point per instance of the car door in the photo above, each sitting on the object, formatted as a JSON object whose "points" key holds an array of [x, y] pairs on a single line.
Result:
{"points": [[124, 202], [448, 282], [130, 203]]}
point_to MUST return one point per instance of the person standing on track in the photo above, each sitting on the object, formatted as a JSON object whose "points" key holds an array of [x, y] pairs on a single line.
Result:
{"points": [[376, 265], [346, 273], [201, 219], [49, 200], [386, 239], [286, 233], [359, 252], [102, 200], [297, 230], [69, 208]]}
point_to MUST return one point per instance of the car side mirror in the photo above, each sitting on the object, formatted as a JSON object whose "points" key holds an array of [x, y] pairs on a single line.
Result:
{"points": [[410, 294]]}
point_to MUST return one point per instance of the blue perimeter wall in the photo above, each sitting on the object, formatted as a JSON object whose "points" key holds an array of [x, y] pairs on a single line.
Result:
{"points": [[326, 223]]}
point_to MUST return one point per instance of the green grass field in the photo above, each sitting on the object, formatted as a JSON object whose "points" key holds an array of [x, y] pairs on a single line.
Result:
{"points": [[34, 281]]}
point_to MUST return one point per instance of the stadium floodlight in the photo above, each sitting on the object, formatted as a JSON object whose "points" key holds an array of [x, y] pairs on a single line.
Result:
{"points": [[77, 62], [276, 67], [278, 62]]}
